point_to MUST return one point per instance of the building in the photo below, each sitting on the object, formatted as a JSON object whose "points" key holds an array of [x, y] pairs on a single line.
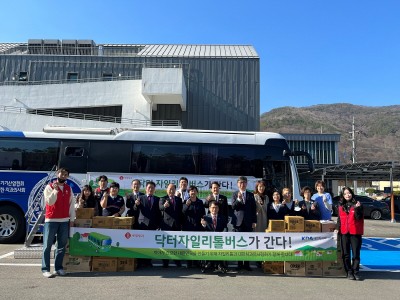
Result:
{"points": [[81, 83]]}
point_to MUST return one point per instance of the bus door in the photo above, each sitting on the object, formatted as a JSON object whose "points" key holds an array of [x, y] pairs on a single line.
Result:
{"points": [[74, 156]]}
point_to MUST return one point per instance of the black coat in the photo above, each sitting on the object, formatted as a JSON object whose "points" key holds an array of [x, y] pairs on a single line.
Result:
{"points": [[193, 214], [249, 209], [222, 223], [149, 215], [172, 216]]}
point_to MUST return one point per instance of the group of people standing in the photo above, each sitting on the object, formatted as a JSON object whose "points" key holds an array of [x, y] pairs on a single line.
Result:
{"points": [[181, 209]]}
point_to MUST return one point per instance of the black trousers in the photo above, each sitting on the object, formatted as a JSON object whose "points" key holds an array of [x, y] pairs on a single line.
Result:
{"points": [[243, 228], [353, 242]]}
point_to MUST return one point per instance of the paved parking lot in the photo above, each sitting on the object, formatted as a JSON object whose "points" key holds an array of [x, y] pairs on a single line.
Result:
{"points": [[22, 279]]}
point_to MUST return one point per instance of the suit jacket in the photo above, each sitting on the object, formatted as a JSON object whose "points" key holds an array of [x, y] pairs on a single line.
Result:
{"points": [[149, 214], [172, 215], [130, 203], [193, 214], [273, 215], [223, 205], [222, 223], [309, 214], [247, 210]]}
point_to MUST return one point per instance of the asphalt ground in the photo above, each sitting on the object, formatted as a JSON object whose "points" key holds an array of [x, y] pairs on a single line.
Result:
{"points": [[22, 279]]}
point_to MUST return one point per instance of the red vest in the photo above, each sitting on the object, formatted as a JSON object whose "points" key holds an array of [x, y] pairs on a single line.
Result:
{"points": [[348, 222], [60, 209]]}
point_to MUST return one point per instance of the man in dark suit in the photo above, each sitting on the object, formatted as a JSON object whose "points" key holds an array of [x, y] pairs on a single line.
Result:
{"points": [[171, 209], [149, 214], [244, 207], [216, 196], [130, 201], [215, 222]]}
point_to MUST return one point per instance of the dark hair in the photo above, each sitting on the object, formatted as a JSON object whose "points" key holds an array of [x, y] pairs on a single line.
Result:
{"points": [[242, 178], [213, 202], [150, 183], [304, 189], [114, 185], [320, 182], [193, 188], [184, 178], [342, 201], [215, 182], [86, 187], [102, 177], [174, 185], [135, 180], [62, 170], [258, 183]]}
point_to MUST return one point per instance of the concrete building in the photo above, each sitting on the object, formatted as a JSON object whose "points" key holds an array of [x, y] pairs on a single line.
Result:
{"points": [[81, 83]]}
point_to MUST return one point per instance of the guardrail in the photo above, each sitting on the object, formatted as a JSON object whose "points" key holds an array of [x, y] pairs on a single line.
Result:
{"points": [[89, 117]]}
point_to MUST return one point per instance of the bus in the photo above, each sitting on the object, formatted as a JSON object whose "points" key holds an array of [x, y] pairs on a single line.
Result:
{"points": [[101, 242], [159, 155]]}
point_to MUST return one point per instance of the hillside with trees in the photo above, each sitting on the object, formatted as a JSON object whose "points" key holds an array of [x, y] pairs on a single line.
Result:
{"points": [[377, 128]]}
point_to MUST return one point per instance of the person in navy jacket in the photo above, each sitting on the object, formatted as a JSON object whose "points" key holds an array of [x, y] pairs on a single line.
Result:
{"points": [[350, 227]]}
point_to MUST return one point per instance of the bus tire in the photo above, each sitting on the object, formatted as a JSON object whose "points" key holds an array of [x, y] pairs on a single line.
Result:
{"points": [[12, 225]]}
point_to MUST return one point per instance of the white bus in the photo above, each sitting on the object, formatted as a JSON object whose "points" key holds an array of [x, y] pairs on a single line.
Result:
{"points": [[160, 155]]}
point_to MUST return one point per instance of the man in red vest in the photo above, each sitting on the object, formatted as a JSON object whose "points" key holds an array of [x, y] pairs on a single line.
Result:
{"points": [[60, 214]]}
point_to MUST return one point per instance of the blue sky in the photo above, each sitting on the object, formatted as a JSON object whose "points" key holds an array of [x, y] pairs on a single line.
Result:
{"points": [[311, 51]]}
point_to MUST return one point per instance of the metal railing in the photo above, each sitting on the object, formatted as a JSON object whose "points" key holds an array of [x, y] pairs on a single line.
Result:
{"points": [[89, 117]]}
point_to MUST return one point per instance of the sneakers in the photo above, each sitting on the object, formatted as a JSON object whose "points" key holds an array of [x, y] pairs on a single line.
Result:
{"points": [[60, 272], [48, 275], [357, 276]]}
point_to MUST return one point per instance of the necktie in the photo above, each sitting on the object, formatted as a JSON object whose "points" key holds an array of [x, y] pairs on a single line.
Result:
{"points": [[244, 197], [171, 200], [149, 198], [214, 219], [216, 198]]}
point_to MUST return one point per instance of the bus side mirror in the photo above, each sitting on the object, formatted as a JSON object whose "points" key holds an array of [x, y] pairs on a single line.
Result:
{"points": [[310, 162]]}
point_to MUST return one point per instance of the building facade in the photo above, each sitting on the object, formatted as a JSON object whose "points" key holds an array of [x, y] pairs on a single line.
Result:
{"points": [[81, 83]]}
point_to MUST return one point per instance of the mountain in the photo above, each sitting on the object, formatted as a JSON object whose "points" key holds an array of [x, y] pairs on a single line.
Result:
{"points": [[377, 128]]}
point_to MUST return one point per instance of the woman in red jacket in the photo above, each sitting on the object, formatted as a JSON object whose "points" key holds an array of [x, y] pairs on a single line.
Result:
{"points": [[350, 226]]}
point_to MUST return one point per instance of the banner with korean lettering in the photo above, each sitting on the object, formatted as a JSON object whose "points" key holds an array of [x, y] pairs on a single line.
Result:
{"points": [[302, 246]]}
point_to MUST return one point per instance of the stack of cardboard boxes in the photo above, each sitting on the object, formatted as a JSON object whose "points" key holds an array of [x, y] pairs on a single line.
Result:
{"points": [[85, 218], [301, 268]]}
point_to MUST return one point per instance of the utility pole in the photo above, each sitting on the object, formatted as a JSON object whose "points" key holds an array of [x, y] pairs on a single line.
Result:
{"points": [[353, 141]]}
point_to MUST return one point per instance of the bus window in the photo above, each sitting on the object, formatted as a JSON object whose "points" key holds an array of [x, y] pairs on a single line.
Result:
{"points": [[110, 156], [29, 154], [74, 151], [165, 158]]}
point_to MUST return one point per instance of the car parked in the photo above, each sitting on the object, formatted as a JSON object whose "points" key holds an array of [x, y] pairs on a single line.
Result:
{"points": [[396, 203], [373, 209]]}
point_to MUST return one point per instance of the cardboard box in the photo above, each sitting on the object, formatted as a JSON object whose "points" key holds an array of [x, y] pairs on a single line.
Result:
{"points": [[84, 213], [312, 226], [276, 226], [127, 227], [73, 264], [126, 264], [83, 223], [274, 267], [328, 226], [295, 268], [102, 222], [104, 264], [314, 268], [117, 221], [294, 224], [333, 269]]}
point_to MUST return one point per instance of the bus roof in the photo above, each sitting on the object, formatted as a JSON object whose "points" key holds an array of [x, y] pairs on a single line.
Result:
{"points": [[150, 134]]}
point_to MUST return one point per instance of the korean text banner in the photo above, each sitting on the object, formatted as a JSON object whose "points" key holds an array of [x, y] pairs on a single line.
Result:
{"points": [[302, 246]]}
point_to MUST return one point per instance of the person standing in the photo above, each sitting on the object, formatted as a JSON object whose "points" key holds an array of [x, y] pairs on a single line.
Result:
{"points": [[276, 211], [350, 227], [219, 198], [102, 181], [130, 200], [112, 204], [290, 204], [261, 206], [149, 214], [183, 191], [309, 208], [171, 210], [193, 210], [244, 207], [324, 200], [215, 222], [60, 214], [86, 199]]}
